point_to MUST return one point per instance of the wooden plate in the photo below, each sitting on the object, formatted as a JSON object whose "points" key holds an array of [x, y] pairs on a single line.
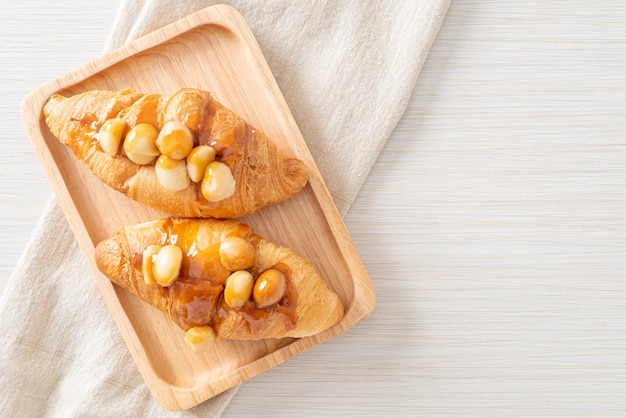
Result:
{"points": [[212, 50]]}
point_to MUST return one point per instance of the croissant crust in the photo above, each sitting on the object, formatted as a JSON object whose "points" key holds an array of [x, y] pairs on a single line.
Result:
{"points": [[309, 307], [264, 175]]}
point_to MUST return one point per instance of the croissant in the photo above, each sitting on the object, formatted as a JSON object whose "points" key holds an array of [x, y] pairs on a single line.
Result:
{"points": [[184, 154], [217, 279]]}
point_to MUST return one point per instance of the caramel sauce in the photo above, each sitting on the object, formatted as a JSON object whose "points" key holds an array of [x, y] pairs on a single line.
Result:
{"points": [[142, 111], [255, 240], [90, 122], [202, 133], [137, 260], [255, 317], [197, 295], [84, 134], [205, 264], [182, 233], [225, 143], [201, 260], [194, 301]]}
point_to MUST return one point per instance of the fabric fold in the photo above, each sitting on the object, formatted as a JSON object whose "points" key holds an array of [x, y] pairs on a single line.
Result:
{"points": [[346, 69]]}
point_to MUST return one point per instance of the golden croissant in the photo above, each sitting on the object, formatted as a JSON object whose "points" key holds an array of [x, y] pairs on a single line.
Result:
{"points": [[184, 153], [217, 279]]}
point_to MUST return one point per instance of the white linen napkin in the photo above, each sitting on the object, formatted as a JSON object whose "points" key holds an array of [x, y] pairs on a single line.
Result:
{"points": [[346, 69]]}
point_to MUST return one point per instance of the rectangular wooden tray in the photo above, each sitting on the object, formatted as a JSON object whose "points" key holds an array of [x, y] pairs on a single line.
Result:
{"points": [[213, 50]]}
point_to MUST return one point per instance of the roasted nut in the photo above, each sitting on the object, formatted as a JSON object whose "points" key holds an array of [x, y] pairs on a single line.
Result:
{"points": [[200, 338], [237, 253], [218, 182], [197, 160], [269, 288], [167, 265], [148, 257], [238, 288], [110, 135], [171, 174], [140, 144], [175, 140]]}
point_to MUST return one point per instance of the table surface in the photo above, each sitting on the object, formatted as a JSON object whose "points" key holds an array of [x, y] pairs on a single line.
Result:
{"points": [[493, 224]]}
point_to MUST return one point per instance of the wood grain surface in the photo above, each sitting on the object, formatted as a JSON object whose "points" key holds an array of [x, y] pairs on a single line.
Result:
{"points": [[493, 224], [213, 50]]}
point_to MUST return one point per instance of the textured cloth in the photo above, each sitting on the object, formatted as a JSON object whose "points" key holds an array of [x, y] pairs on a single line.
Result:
{"points": [[346, 69]]}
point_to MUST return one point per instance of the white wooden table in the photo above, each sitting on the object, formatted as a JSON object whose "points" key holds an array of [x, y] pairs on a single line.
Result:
{"points": [[493, 225]]}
